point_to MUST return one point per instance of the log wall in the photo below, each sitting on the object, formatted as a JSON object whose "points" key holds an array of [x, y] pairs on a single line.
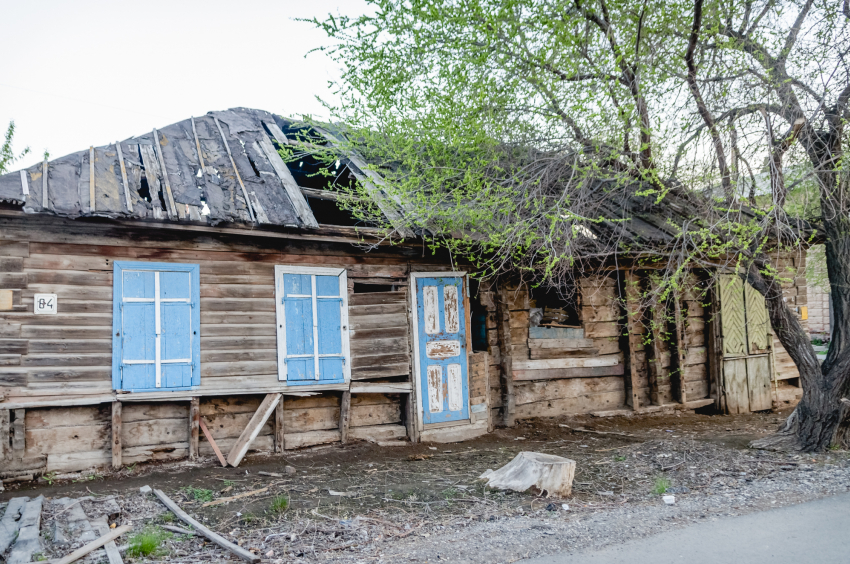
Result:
{"points": [[55, 370]]}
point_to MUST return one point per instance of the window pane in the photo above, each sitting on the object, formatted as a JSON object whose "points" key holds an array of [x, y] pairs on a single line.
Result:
{"points": [[175, 285], [327, 285], [138, 284], [299, 325]]}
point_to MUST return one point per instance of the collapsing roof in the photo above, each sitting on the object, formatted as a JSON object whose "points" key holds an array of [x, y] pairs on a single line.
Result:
{"points": [[221, 167]]}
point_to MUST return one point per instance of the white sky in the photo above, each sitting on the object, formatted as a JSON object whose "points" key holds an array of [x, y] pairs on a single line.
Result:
{"points": [[91, 72]]}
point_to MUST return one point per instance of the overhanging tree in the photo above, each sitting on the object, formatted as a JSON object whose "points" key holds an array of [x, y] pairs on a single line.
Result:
{"points": [[508, 128]]}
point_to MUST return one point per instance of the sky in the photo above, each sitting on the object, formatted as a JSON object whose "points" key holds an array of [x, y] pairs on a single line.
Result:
{"points": [[89, 72]]}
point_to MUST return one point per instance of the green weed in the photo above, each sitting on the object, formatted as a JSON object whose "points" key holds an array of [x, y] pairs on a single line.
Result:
{"points": [[38, 557], [661, 485], [280, 503], [148, 543], [620, 458], [248, 518], [198, 494], [167, 517]]}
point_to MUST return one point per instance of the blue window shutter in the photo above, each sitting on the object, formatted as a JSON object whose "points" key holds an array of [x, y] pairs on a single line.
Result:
{"points": [[312, 344], [328, 306], [135, 343]]}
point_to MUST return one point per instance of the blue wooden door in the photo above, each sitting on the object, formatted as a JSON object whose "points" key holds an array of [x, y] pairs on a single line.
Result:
{"points": [[156, 341], [441, 331], [313, 348]]}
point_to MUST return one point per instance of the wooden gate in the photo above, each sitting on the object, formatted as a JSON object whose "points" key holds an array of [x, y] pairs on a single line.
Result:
{"points": [[746, 337]]}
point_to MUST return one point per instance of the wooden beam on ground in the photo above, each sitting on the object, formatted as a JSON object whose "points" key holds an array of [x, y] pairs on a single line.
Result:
{"points": [[116, 435], [237, 453], [279, 426], [214, 446], [344, 416], [299, 202], [236, 170], [123, 177], [102, 527], [194, 426], [94, 545], [217, 539]]}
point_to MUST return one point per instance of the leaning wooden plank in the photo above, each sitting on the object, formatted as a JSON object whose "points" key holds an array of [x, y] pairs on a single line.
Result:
{"points": [[236, 170], [209, 437], [172, 207], [123, 178], [237, 453], [299, 202], [220, 541], [10, 523], [94, 545]]}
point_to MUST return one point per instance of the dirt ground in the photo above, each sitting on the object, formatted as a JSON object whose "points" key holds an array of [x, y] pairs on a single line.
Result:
{"points": [[422, 503]]}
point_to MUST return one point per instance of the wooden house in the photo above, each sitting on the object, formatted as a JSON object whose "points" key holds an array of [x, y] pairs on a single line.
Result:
{"points": [[187, 290]]}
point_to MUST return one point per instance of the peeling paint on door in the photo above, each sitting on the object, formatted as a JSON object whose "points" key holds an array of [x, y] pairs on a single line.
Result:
{"points": [[442, 349], [452, 317], [432, 309], [455, 392], [435, 388]]}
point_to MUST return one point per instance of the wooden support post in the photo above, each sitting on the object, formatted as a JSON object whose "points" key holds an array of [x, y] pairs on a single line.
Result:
{"points": [[409, 408], [116, 435], [194, 426], [633, 325], [5, 441], [19, 430], [680, 345], [504, 321], [344, 416], [279, 427], [240, 448]]}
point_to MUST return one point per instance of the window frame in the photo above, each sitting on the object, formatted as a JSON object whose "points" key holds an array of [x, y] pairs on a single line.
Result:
{"points": [[280, 318], [118, 268]]}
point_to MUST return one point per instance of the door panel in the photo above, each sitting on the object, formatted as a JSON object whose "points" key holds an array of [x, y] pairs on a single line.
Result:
{"points": [[735, 384], [442, 349], [733, 320], [757, 321], [758, 382]]}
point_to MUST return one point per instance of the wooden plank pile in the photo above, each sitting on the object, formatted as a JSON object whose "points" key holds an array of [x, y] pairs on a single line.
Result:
{"points": [[25, 537]]}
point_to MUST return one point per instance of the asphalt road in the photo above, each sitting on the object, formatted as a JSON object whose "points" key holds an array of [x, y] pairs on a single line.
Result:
{"points": [[814, 532]]}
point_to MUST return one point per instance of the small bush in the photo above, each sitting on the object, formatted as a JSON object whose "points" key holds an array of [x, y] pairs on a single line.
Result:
{"points": [[280, 503], [661, 486], [148, 543], [198, 494]]}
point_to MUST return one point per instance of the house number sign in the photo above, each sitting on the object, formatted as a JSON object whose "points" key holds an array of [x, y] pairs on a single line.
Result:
{"points": [[45, 304]]}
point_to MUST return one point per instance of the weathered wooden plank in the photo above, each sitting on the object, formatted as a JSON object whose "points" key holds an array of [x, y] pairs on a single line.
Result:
{"points": [[279, 426], [381, 388], [344, 416], [572, 406], [551, 374], [310, 438], [373, 322], [381, 371], [243, 368], [236, 171], [240, 552], [117, 447], [299, 202], [609, 360], [253, 429], [64, 440], [212, 442], [604, 329], [368, 347], [194, 427], [377, 309], [375, 298], [19, 430], [565, 344], [171, 207], [555, 333]]}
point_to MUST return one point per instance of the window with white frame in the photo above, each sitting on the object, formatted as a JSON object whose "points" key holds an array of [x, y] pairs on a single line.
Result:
{"points": [[312, 325], [156, 321]]}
